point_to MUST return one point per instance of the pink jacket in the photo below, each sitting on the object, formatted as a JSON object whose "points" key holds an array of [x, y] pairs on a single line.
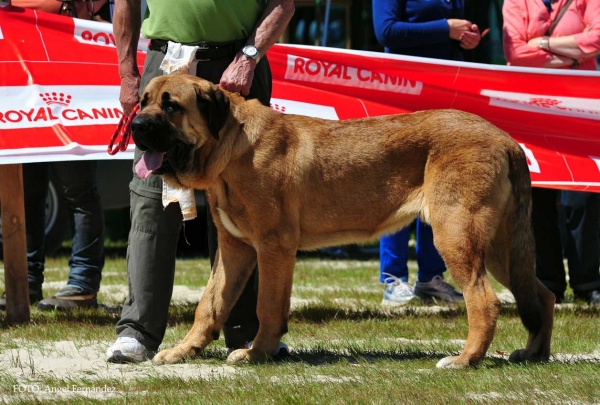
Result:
{"points": [[527, 19]]}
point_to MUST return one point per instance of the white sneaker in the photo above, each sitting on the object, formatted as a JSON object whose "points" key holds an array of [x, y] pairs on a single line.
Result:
{"points": [[439, 290], [397, 292], [127, 350]]}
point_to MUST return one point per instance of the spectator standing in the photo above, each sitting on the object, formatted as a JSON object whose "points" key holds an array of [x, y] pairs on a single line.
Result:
{"points": [[235, 36], [77, 185], [560, 34], [432, 29]]}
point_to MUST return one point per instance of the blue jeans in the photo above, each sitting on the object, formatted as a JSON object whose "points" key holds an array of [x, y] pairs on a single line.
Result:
{"points": [[393, 254], [77, 186]]}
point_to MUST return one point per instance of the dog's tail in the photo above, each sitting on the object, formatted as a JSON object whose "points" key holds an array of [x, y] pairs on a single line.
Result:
{"points": [[523, 283]]}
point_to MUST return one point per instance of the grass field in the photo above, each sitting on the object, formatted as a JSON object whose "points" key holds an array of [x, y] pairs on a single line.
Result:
{"points": [[346, 349]]}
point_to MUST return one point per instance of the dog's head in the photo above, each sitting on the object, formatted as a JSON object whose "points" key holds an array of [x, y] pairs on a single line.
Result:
{"points": [[179, 114]]}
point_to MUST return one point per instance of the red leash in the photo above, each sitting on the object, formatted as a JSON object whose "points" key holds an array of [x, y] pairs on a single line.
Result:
{"points": [[123, 132]]}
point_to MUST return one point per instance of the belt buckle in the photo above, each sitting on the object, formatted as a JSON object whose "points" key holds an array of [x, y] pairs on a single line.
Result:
{"points": [[203, 46]]}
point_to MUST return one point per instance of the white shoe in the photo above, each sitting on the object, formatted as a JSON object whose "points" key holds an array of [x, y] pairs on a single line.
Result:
{"points": [[397, 292], [127, 350]]}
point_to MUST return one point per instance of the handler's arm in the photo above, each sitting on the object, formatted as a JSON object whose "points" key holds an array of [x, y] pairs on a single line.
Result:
{"points": [[126, 27], [276, 16]]}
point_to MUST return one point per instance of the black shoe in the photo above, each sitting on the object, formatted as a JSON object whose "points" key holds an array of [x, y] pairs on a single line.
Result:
{"points": [[592, 296], [35, 295], [69, 298]]}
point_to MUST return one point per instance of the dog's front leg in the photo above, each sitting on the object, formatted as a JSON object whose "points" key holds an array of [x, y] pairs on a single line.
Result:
{"points": [[275, 274], [233, 266]]}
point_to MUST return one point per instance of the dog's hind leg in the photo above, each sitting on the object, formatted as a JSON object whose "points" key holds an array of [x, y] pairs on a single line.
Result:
{"points": [[514, 270], [534, 301], [233, 266], [461, 238], [276, 260]]}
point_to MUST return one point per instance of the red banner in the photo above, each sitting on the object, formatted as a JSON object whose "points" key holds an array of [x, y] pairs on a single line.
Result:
{"points": [[59, 95]]}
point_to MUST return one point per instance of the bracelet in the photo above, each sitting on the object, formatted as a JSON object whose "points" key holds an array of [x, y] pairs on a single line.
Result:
{"points": [[575, 64], [545, 43]]}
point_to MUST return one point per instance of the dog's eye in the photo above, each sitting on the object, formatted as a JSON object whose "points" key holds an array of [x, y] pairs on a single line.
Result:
{"points": [[172, 108]]}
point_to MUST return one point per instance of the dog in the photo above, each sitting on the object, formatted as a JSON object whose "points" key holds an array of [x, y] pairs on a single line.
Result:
{"points": [[280, 183]]}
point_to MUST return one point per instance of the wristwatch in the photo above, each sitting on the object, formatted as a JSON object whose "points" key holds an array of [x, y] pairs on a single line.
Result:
{"points": [[252, 52], [545, 43]]}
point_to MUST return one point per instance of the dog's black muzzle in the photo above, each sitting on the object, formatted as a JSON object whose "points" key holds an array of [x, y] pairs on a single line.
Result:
{"points": [[151, 132]]}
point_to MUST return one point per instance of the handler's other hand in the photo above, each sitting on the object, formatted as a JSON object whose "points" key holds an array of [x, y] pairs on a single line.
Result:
{"points": [[470, 39], [238, 76], [458, 27]]}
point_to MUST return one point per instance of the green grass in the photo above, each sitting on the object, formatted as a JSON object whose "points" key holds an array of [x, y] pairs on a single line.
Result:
{"points": [[346, 349]]}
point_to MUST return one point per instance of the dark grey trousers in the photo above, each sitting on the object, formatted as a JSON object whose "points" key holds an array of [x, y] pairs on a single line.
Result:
{"points": [[154, 233]]}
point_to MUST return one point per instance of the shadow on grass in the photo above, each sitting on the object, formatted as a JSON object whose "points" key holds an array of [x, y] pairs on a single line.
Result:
{"points": [[324, 357], [318, 313]]}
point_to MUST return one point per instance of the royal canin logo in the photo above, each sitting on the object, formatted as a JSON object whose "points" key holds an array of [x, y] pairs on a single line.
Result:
{"points": [[339, 74], [97, 33], [56, 98], [37, 106]]}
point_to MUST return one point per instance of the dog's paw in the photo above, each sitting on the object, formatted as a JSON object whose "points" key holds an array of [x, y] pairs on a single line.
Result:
{"points": [[246, 356], [452, 362], [172, 356], [523, 355]]}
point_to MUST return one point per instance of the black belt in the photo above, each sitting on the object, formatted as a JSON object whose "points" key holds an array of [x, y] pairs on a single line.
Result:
{"points": [[206, 50]]}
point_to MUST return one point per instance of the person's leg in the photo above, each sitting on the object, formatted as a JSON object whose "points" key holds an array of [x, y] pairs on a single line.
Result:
{"points": [[429, 260], [548, 249], [79, 188], [430, 285], [582, 244], [151, 254], [36, 178], [393, 255], [393, 268]]}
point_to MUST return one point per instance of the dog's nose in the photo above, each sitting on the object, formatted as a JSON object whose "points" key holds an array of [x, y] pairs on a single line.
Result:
{"points": [[141, 125]]}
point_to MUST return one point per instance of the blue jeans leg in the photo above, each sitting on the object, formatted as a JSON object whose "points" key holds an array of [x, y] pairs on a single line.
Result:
{"points": [[430, 262], [79, 188], [393, 255]]}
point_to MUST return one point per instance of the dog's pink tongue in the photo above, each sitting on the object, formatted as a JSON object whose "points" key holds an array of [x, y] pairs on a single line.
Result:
{"points": [[149, 162]]}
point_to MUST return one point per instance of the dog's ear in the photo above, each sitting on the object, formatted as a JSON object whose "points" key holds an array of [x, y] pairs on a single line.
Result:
{"points": [[214, 106]]}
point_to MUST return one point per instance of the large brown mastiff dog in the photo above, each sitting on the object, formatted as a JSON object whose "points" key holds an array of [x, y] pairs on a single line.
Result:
{"points": [[280, 183]]}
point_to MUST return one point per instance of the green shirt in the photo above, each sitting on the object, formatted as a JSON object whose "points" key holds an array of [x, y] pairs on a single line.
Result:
{"points": [[188, 21]]}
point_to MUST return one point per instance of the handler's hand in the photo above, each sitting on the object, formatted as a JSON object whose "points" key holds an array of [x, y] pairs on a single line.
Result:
{"points": [[129, 96], [470, 39], [239, 74], [458, 27]]}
